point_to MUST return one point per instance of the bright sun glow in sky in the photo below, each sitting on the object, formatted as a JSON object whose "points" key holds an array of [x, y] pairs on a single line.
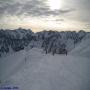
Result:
{"points": [[54, 4]]}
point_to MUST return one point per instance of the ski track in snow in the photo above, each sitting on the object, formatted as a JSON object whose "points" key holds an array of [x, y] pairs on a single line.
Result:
{"points": [[48, 72]]}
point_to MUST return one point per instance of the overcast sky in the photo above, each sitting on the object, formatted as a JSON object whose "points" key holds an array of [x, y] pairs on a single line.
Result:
{"points": [[45, 14]]}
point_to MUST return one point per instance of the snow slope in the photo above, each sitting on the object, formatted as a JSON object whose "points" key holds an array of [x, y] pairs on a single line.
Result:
{"points": [[83, 49], [11, 63], [34, 70]]}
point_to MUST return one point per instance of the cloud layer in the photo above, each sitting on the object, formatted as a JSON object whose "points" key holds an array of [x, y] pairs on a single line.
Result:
{"points": [[31, 7], [72, 10]]}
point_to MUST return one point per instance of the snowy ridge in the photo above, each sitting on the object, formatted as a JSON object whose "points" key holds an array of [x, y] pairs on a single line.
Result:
{"points": [[83, 49], [49, 41]]}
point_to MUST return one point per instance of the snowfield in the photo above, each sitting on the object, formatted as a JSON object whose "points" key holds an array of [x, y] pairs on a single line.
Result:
{"points": [[83, 49], [34, 70]]}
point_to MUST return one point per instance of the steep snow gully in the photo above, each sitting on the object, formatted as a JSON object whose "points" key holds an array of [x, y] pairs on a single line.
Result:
{"points": [[34, 70]]}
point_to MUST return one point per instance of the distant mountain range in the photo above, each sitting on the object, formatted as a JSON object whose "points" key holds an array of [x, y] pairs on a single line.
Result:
{"points": [[50, 41]]}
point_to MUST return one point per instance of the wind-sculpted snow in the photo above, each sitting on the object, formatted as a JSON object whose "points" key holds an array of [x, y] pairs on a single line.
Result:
{"points": [[42, 71]]}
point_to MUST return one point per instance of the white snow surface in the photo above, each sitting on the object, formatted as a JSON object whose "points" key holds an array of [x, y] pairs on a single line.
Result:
{"points": [[34, 70], [83, 49]]}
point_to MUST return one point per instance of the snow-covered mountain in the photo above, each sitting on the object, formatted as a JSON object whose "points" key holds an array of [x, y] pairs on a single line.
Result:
{"points": [[14, 40], [83, 49], [50, 41], [30, 68]]}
